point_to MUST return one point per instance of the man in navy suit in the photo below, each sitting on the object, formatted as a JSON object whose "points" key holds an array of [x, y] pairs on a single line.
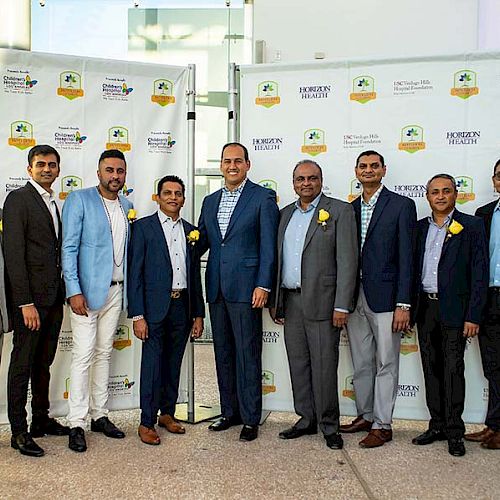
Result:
{"points": [[165, 302], [239, 224], [386, 226], [452, 280]]}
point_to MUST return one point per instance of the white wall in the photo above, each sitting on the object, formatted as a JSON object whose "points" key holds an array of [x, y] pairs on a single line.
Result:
{"points": [[346, 29]]}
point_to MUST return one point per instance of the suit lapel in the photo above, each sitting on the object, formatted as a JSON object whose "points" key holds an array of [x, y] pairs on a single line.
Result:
{"points": [[357, 215], [212, 214], [421, 241], [313, 225], [285, 219], [447, 240], [379, 208], [245, 196], [43, 206], [189, 249], [156, 227]]}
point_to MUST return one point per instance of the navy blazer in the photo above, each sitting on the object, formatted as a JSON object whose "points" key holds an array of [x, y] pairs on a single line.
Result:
{"points": [[462, 271], [245, 258], [150, 272], [386, 260], [486, 213]]}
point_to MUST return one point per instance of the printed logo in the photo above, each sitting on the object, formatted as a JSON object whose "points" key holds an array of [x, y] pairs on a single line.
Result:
{"points": [[355, 190], [21, 135], [154, 196], [16, 81], [15, 183], [464, 84], [267, 94], [163, 92], [66, 392], [363, 89], [344, 338], [411, 87], [69, 138], [270, 337], [409, 342], [126, 191], [358, 141], [120, 385], [465, 187], [314, 142], [65, 341], [348, 390], [70, 85], [115, 89], [465, 137], [122, 338], [486, 393], [118, 139], [161, 142], [315, 91], [267, 143], [412, 139], [69, 183], [268, 382], [411, 190], [408, 390]]}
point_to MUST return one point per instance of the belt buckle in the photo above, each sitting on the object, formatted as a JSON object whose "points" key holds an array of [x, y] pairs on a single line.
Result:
{"points": [[175, 294], [432, 296]]}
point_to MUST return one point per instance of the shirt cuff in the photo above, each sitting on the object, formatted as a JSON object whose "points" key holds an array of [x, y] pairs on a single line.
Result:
{"points": [[268, 290], [340, 310], [399, 304], [26, 305], [137, 318]]}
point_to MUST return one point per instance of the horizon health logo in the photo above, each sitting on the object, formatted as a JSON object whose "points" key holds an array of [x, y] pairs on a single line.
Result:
{"points": [[314, 142], [69, 183], [70, 85], [464, 84], [409, 342], [267, 94], [348, 390], [163, 91], [118, 139], [363, 89], [122, 338], [465, 186], [412, 139], [355, 190], [268, 382], [21, 135]]}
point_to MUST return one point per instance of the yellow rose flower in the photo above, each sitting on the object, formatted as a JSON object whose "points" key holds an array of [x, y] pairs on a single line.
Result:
{"points": [[193, 236], [132, 214], [455, 227], [1, 226], [323, 216]]}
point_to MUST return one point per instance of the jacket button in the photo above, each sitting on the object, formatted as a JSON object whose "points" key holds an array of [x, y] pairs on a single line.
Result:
{"points": [[223, 245]]}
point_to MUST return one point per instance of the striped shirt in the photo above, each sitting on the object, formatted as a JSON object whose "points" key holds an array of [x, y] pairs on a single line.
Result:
{"points": [[227, 204], [367, 209]]}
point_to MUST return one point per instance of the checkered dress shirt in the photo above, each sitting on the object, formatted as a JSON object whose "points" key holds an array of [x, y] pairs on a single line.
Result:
{"points": [[367, 212], [227, 204]]}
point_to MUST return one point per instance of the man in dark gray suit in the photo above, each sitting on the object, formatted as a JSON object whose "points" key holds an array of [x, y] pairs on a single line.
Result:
{"points": [[316, 278]]}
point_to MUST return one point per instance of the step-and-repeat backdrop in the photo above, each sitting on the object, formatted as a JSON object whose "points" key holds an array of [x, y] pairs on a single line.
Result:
{"points": [[425, 115], [82, 107]]}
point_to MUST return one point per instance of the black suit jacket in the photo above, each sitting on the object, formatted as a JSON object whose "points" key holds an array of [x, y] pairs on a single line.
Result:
{"points": [[486, 213], [149, 280], [462, 271], [32, 250]]}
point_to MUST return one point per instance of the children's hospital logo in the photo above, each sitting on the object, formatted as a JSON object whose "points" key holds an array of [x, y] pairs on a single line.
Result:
{"points": [[464, 84], [412, 139], [314, 142], [69, 183], [70, 85], [21, 135], [267, 94], [163, 91], [118, 139], [363, 89]]}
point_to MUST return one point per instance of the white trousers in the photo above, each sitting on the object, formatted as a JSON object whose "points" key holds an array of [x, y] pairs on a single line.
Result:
{"points": [[92, 346]]}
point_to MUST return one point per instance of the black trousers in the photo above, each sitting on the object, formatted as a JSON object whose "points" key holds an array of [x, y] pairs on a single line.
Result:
{"points": [[489, 343], [32, 354], [442, 349]]}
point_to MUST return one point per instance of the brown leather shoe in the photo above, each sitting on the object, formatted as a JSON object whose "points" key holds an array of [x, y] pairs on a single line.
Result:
{"points": [[169, 423], [375, 438], [481, 436], [148, 435], [359, 424], [493, 443]]}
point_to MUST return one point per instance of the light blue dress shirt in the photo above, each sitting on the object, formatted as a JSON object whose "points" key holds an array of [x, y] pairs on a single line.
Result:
{"points": [[495, 247]]}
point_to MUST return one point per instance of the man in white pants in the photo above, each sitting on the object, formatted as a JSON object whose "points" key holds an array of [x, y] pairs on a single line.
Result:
{"points": [[94, 257]]}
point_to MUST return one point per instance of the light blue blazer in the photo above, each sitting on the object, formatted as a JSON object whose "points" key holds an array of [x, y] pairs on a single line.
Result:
{"points": [[87, 247]]}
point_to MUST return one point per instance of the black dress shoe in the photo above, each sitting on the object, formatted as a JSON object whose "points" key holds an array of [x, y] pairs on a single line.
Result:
{"points": [[25, 444], [224, 423], [107, 427], [334, 441], [429, 436], [249, 432], [48, 426], [456, 447], [294, 433], [77, 440]]}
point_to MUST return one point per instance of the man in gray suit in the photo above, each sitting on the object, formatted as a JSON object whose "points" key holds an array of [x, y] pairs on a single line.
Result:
{"points": [[316, 278]]}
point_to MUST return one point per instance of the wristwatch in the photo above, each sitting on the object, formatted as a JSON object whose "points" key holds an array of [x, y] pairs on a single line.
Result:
{"points": [[404, 307]]}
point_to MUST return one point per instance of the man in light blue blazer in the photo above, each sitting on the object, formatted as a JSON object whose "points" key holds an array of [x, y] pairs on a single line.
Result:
{"points": [[96, 231]]}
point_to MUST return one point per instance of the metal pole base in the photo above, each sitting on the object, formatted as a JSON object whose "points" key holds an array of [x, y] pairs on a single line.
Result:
{"points": [[201, 413], [263, 416]]}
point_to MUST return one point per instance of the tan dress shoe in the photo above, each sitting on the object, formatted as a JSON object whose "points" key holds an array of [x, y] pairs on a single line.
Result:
{"points": [[481, 436], [169, 423], [376, 438], [148, 435], [493, 443], [359, 424]]}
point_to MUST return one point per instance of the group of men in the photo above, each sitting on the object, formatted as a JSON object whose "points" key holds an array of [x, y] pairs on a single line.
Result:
{"points": [[320, 265]]}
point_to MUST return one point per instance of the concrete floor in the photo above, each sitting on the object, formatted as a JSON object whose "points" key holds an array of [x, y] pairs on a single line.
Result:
{"points": [[208, 465]]}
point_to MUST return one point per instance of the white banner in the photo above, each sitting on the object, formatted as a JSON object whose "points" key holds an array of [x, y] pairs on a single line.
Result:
{"points": [[425, 115], [83, 106]]}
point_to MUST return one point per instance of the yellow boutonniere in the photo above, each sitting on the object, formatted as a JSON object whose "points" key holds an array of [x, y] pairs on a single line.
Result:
{"points": [[1, 226], [323, 216], [131, 215], [193, 236], [453, 229]]}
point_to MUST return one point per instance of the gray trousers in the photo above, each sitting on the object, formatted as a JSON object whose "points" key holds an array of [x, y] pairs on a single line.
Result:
{"points": [[375, 356], [313, 354]]}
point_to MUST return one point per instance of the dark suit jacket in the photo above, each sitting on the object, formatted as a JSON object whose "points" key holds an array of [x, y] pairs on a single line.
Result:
{"points": [[245, 258], [149, 280], [387, 255], [486, 213], [329, 260], [32, 250], [462, 271]]}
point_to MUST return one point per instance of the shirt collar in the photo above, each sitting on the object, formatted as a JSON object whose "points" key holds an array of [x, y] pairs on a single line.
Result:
{"points": [[446, 221], [239, 189], [373, 199], [164, 218], [41, 190], [312, 205], [497, 206]]}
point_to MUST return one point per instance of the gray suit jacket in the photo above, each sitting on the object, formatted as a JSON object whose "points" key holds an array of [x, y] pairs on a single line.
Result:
{"points": [[329, 260]]}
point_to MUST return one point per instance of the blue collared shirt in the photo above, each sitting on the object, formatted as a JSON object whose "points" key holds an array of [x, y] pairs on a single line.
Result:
{"points": [[495, 247], [227, 204], [367, 210], [293, 244], [433, 246]]}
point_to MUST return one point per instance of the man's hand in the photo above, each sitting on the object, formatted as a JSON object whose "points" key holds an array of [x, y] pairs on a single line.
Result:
{"points": [[400, 320], [141, 329], [470, 329], [197, 328], [31, 318], [272, 313], [78, 305], [339, 319], [259, 298]]}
